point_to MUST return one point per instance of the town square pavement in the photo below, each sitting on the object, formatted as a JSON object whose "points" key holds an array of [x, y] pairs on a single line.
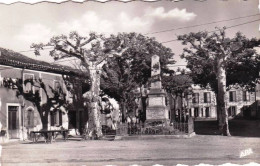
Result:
{"points": [[207, 149]]}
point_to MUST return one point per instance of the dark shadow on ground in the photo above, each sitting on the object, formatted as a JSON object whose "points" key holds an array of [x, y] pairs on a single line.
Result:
{"points": [[39, 142], [237, 127]]}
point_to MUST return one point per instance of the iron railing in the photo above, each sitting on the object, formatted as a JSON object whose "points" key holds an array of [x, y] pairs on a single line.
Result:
{"points": [[156, 128]]}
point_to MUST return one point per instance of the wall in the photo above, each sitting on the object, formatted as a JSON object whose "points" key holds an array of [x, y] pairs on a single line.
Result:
{"points": [[202, 105], [8, 97], [238, 103]]}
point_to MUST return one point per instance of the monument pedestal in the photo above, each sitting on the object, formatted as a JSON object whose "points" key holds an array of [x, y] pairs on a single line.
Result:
{"points": [[157, 111]]}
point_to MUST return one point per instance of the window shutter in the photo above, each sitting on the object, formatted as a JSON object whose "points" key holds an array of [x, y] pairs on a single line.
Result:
{"points": [[209, 99], [205, 97], [28, 86], [30, 118], [195, 98], [232, 96]]}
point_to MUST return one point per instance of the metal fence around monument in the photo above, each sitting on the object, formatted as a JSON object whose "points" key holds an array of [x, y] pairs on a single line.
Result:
{"points": [[157, 128]]}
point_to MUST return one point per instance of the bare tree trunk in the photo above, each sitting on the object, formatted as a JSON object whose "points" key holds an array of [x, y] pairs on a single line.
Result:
{"points": [[95, 116], [222, 99]]}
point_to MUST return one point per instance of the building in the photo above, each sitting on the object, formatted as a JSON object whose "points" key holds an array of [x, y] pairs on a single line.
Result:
{"points": [[17, 115], [187, 98], [203, 102]]}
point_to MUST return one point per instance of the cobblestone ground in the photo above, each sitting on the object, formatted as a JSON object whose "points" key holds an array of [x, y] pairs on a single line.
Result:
{"points": [[209, 149]]}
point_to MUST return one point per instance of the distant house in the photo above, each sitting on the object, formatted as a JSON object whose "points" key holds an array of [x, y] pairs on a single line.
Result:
{"points": [[204, 105], [19, 116], [253, 111]]}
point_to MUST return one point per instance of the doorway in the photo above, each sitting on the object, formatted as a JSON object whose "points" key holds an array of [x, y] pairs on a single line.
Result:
{"points": [[232, 111], [13, 121]]}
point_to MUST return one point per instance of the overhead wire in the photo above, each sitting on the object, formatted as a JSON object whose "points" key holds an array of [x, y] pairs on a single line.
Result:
{"points": [[228, 27], [192, 26], [197, 25]]}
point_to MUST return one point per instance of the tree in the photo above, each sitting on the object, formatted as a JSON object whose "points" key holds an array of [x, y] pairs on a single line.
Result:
{"points": [[55, 98], [177, 86], [76, 87], [131, 69], [93, 51], [219, 61], [89, 51]]}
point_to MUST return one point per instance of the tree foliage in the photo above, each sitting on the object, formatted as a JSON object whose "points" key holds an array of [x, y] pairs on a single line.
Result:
{"points": [[242, 62], [132, 69], [219, 61], [55, 98], [177, 84], [132, 53]]}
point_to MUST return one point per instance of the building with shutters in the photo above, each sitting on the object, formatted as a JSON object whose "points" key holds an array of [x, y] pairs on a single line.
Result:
{"points": [[203, 102], [17, 115]]}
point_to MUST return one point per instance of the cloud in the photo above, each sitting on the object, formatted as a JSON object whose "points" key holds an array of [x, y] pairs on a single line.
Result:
{"points": [[89, 21], [179, 14], [136, 24], [34, 33]]}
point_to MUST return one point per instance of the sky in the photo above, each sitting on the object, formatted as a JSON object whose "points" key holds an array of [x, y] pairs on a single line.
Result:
{"points": [[22, 24]]}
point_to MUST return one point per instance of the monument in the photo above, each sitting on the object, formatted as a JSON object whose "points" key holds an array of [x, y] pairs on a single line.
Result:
{"points": [[156, 110]]}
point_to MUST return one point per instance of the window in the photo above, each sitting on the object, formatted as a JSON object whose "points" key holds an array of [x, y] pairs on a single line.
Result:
{"points": [[27, 86], [207, 111], [56, 118], [60, 118], [246, 96], [232, 96], [196, 111], [53, 118], [30, 118], [195, 98], [56, 85], [207, 97], [232, 111]]}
